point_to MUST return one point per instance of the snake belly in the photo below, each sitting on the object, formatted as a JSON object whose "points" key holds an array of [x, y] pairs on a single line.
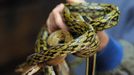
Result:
{"points": [[83, 21]]}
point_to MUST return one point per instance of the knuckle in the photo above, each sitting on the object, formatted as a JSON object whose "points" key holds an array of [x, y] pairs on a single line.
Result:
{"points": [[54, 10], [47, 22]]}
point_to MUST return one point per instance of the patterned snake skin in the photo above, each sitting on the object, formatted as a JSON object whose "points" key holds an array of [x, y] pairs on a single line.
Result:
{"points": [[83, 21]]}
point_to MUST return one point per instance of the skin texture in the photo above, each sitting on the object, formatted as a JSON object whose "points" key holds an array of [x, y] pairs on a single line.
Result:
{"points": [[55, 21]]}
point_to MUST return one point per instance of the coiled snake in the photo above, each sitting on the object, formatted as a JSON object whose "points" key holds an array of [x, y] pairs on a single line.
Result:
{"points": [[83, 21]]}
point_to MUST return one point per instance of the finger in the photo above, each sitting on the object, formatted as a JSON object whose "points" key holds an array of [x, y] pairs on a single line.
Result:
{"points": [[78, 1], [51, 23], [59, 21], [59, 8], [58, 17], [52, 20]]}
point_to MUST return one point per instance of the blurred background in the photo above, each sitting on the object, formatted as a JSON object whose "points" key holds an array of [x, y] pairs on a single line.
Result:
{"points": [[21, 20]]}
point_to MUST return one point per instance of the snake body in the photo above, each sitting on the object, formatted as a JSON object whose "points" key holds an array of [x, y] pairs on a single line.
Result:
{"points": [[83, 21]]}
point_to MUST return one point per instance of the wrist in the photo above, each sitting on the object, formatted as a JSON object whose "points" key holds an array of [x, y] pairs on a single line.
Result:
{"points": [[103, 37]]}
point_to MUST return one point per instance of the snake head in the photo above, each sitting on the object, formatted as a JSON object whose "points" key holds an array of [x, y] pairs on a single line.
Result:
{"points": [[100, 15]]}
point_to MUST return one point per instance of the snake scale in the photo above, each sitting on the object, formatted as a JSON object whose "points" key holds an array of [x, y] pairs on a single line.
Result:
{"points": [[83, 21]]}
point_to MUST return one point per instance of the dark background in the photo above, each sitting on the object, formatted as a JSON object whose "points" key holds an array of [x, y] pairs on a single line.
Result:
{"points": [[20, 22]]}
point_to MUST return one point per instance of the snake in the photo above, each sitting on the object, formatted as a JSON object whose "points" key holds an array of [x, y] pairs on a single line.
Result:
{"points": [[83, 21]]}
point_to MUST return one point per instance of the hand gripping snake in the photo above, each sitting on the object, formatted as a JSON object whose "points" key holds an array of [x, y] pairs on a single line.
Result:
{"points": [[83, 21]]}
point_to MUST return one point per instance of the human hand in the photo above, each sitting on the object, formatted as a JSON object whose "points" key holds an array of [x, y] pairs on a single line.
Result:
{"points": [[55, 21]]}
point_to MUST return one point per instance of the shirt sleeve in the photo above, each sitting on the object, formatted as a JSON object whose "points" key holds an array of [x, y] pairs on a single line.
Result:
{"points": [[110, 57]]}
